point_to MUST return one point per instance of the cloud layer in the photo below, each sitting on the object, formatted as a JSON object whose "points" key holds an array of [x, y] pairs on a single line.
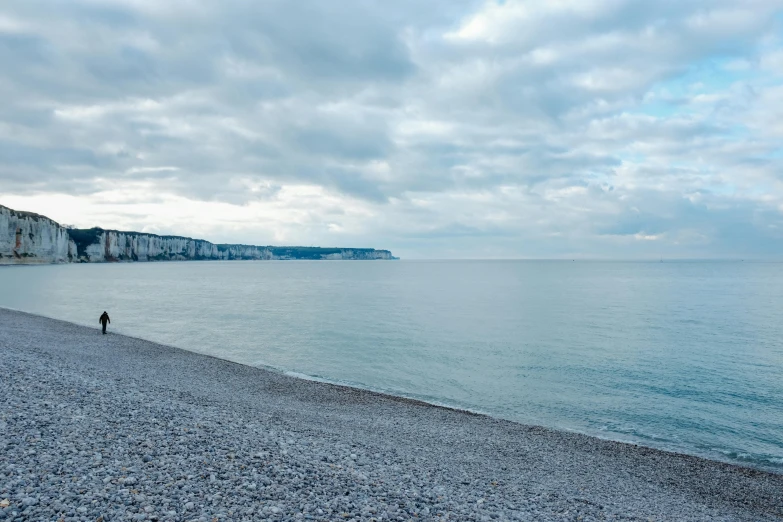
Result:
{"points": [[569, 128]]}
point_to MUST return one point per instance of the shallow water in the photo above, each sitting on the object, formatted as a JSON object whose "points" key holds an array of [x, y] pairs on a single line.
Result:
{"points": [[684, 356]]}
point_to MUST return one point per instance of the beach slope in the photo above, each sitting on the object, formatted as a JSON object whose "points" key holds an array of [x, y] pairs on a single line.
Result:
{"points": [[110, 426]]}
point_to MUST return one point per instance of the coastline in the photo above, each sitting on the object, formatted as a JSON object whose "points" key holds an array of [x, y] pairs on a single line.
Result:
{"points": [[261, 444]]}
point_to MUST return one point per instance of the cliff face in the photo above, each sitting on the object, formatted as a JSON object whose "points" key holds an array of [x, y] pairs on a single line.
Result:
{"points": [[27, 238]]}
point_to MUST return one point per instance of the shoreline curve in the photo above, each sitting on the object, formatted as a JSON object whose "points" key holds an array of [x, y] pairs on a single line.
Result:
{"points": [[264, 444]]}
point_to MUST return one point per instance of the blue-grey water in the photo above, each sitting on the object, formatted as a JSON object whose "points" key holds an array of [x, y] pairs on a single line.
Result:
{"points": [[684, 356]]}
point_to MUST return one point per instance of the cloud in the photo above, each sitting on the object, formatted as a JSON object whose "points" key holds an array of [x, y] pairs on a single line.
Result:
{"points": [[446, 129]]}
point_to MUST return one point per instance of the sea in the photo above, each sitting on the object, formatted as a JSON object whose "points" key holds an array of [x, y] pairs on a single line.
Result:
{"points": [[682, 356]]}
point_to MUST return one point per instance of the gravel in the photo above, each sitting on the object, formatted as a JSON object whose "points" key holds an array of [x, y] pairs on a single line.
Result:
{"points": [[104, 428]]}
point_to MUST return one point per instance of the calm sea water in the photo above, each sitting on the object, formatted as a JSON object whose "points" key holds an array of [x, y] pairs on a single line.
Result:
{"points": [[681, 356]]}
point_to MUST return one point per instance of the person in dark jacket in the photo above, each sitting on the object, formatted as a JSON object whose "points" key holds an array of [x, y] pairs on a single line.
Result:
{"points": [[104, 320]]}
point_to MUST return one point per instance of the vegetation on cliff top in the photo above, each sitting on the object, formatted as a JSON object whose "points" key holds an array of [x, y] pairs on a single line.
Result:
{"points": [[84, 237]]}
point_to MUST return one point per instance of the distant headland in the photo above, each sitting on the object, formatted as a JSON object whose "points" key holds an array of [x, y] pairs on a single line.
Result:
{"points": [[28, 238]]}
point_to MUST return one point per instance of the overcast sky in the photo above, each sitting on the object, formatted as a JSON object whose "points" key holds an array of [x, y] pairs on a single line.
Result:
{"points": [[437, 129]]}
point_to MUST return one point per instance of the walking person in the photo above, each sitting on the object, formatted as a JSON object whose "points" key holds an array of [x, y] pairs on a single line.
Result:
{"points": [[104, 320]]}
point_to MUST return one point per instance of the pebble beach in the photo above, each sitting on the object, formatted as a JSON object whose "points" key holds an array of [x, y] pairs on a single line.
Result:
{"points": [[104, 428]]}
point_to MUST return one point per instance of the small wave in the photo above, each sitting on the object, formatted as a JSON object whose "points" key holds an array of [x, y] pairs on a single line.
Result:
{"points": [[306, 377], [761, 460]]}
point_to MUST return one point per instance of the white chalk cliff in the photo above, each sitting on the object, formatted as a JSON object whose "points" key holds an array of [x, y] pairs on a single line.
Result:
{"points": [[27, 238]]}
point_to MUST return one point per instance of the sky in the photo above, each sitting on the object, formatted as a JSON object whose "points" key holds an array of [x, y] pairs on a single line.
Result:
{"points": [[612, 129]]}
